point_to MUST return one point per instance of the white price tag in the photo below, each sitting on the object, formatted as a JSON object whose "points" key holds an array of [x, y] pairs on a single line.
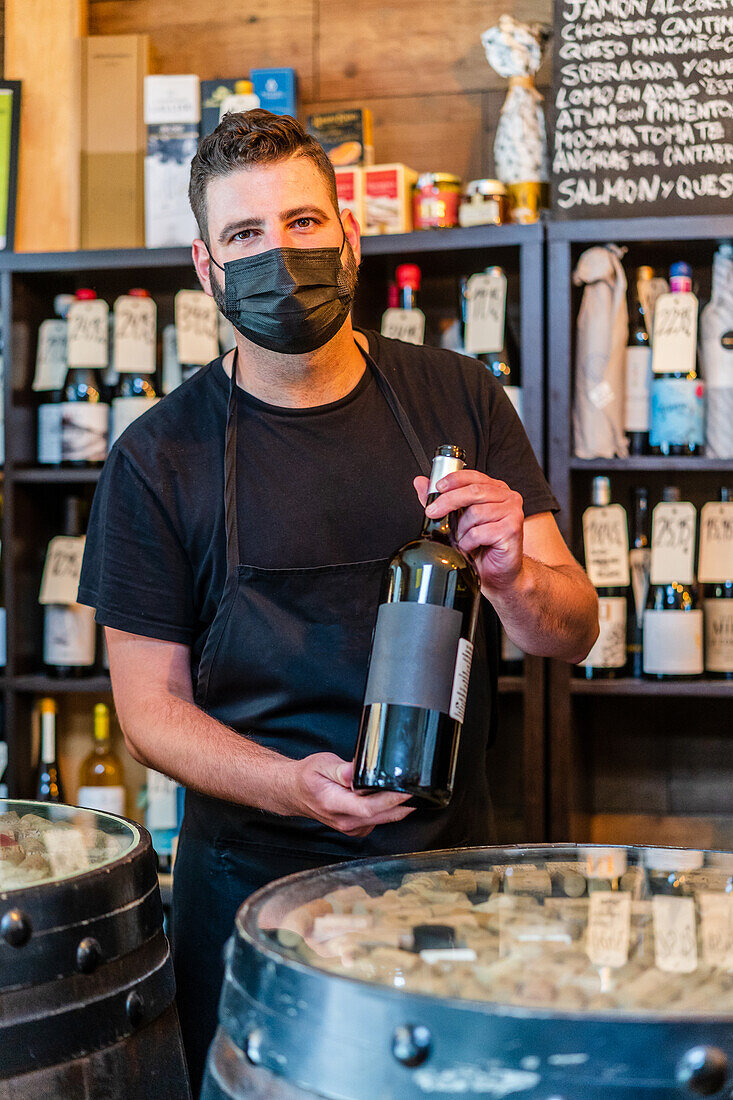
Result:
{"points": [[134, 335], [60, 581], [675, 934], [673, 543], [716, 542], [197, 327], [162, 811], [606, 863], [716, 929], [51, 361], [486, 306], [67, 851], [609, 925], [404, 324], [88, 333], [650, 290], [675, 334], [606, 541]]}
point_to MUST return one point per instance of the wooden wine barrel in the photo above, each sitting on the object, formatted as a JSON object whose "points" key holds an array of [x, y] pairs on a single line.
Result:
{"points": [[86, 977]]}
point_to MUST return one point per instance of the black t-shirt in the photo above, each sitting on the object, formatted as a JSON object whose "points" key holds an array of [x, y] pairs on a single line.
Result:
{"points": [[316, 486]]}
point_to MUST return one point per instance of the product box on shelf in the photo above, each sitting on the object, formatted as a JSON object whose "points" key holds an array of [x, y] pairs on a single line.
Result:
{"points": [[112, 68], [350, 191], [277, 90], [172, 115], [347, 136], [213, 94], [388, 199]]}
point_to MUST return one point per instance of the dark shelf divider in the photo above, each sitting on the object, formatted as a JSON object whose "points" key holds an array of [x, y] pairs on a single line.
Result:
{"points": [[630, 686], [39, 684], [55, 476]]}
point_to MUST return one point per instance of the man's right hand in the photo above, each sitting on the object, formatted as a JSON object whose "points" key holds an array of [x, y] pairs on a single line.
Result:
{"points": [[323, 791]]}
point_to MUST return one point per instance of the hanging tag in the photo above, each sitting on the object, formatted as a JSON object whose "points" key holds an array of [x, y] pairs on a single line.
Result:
{"points": [[134, 335], [649, 291], [486, 306], [716, 928], [606, 541], [404, 324], [61, 573], [673, 543], [606, 863], [609, 926], [51, 361], [172, 376], [674, 346], [87, 334], [716, 542], [675, 935], [197, 327], [639, 559]]}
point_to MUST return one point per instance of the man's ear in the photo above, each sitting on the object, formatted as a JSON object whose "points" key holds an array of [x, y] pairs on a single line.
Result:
{"points": [[201, 261], [352, 230]]}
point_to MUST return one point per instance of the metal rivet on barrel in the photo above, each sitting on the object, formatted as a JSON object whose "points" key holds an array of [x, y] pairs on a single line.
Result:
{"points": [[88, 955], [703, 1069], [15, 928], [253, 1046], [411, 1044], [135, 1008]]}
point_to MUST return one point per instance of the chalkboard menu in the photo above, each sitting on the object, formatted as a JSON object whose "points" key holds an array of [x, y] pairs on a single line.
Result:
{"points": [[642, 108]]}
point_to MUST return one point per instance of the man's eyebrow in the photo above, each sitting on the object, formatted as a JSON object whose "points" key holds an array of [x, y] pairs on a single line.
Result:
{"points": [[238, 226], [300, 211]]}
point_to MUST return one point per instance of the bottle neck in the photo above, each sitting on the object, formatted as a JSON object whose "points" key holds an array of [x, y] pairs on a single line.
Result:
{"points": [[437, 529], [48, 738], [408, 297]]}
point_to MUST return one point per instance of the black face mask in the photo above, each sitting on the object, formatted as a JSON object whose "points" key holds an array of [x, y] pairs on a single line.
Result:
{"points": [[288, 300]]}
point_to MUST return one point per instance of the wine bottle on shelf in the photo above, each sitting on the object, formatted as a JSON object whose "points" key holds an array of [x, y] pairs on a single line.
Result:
{"points": [[101, 777], [420, 661], [51, 370], [716, 355], [677, 405], [405, 321], [85, 414], [606, 543], [673, 624], [718, 596], [488, 333], [639, 555], [3, 612], [134, 359], [3, 755], [638, 371], [69, 629], [48, 784]]}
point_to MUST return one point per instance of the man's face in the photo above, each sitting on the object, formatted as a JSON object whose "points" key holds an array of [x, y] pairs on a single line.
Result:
{"points": [[282, 205]]}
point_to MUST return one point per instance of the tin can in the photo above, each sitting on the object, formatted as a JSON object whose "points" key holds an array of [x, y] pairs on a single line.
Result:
{"points": [[526, 199], [436, 200]]}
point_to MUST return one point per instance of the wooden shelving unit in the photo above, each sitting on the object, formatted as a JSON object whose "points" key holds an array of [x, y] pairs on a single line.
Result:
{"points": [[647, 762], [33, 496]]}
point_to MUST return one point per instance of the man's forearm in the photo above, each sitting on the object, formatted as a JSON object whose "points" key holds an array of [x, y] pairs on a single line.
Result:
{"points": [[202, 753], [550, 610]]}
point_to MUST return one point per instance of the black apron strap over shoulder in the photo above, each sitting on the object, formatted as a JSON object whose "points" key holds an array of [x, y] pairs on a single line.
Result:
{"points": [[230, 448]]}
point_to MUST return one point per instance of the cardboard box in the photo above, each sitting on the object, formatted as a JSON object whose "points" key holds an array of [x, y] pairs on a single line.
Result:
{"points": [[350, 191], [172, 112], [388, 199], [347, 136], [213, 93], [113, 68], [277, 90]]}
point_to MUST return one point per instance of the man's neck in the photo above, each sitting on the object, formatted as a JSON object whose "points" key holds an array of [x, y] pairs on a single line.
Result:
{"points": [[300, 381]]}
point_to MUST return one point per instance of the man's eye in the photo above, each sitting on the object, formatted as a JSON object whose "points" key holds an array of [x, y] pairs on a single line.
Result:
{"points": [[242, 235], [305, 223]]}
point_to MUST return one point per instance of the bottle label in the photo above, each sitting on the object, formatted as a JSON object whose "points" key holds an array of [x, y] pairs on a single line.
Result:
{"points": [[109, 800], [719, 635], [461, 676], [485, 297], [414, 651], [514, 393], [716, 542], [678, 412], [609, 928], [62, 570], [673, 642], [675, 934], [134, 334], [51, 359], [88, 333], [162, 808], [404, 324], [675, 333], [638, 386], [716, 929], [69, 636], [197, 327], [673, 542], [84, 428], [639, 559], [609, 648], [606, 544], [125, 410], [49, 433]]}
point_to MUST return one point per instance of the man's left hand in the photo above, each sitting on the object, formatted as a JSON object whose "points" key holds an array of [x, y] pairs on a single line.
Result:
{"points": [[490, 527]]}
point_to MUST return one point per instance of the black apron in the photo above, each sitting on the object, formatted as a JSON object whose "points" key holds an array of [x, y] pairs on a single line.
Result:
{"points": [[284, 663]]}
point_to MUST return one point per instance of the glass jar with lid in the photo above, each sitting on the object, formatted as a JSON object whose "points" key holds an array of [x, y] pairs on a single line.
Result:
{"points": [[436, 200], [484, 203]]}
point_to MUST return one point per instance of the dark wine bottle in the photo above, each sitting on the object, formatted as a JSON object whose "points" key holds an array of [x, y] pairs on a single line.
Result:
{"points": [[420, 661], [85, 414], [69, 630], [607, 658], [48, 785], [672, 623], [638, 370], [718, 611], [639, 570], [677, 406], [135, 391]]}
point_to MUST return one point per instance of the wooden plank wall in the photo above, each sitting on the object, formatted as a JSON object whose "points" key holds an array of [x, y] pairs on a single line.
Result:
{"points": [[421, 68]]}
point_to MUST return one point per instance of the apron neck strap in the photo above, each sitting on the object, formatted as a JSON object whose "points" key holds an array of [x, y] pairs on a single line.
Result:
{"points": [[230, 447]]}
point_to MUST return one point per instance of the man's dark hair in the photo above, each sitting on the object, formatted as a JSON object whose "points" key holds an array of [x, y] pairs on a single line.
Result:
{"points": [[246, 138]]}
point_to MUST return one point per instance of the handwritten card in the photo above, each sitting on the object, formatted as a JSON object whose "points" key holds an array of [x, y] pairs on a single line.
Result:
{"points": [[485, 312], [673, 542], [606, 541]]}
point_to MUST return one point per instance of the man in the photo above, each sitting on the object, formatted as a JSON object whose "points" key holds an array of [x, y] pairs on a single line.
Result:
{"points": [[239, 534]]}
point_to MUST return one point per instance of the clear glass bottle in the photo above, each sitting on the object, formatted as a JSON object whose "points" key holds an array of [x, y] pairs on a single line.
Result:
{"points": [[420, 661], [101, 776], [677, 411]]}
